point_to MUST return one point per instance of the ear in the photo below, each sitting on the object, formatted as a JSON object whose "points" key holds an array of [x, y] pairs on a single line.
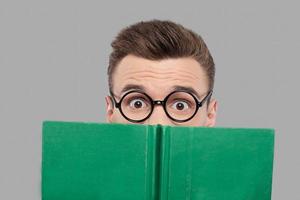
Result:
{"points": [[212, 113], [109, 109]]}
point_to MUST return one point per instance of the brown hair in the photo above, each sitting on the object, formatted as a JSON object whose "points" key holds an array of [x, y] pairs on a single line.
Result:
{"points": [[156, 40]]}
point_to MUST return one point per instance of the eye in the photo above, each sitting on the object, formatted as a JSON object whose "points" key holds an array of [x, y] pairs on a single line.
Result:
{"points": [[180, 105], [137, 103]]}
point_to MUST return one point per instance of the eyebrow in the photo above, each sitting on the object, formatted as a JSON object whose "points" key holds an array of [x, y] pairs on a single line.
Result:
{"points": [[176, 87], [133, 87], [187, 89]]}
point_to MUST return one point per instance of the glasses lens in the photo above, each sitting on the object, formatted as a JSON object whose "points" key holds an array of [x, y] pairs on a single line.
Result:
{"points": [[136, 106], [181, 105]]}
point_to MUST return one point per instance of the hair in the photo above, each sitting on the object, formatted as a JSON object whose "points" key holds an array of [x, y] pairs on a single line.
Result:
{"points": [[157, 40]]}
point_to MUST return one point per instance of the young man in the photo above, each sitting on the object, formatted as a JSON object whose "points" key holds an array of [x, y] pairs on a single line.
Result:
{"points": [[160, 73]]}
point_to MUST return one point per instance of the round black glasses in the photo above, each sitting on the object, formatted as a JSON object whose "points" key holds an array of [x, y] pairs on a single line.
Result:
{"points": [[179, 106]]}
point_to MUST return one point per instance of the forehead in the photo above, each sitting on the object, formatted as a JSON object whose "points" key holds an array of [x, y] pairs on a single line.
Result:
{"points": [[159, 77]]}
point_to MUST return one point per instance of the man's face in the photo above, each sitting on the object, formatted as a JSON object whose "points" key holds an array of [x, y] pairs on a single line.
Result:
{"points": [[158, 79]]}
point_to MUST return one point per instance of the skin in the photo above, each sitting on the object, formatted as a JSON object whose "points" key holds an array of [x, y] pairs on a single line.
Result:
{"points": [[158, 79]]}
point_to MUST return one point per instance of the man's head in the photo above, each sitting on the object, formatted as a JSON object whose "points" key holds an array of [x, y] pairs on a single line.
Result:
{"points": [[149, 61]]}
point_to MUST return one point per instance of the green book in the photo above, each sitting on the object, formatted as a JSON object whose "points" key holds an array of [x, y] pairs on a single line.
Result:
{"points": [[91, 161]]}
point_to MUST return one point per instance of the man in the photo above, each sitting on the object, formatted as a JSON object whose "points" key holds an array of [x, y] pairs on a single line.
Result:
{"points": [[160, 73]]}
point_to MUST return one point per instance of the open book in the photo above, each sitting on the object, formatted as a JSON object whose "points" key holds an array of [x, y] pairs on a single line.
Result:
{"points": [[91, 161]]}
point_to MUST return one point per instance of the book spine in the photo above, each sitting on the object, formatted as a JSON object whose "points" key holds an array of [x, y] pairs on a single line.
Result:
{"points": [[163, 162], [152, 165], [157, 163]]}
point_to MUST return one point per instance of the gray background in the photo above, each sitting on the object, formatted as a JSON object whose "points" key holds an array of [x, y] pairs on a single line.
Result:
{"points": [[54, 54]]}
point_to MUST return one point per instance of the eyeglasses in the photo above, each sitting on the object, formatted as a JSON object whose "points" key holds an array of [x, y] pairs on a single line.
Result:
{"points": [[179, 106]]}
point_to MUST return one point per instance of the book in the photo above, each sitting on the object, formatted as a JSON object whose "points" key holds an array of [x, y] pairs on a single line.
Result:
{"points": [[85, 160]]}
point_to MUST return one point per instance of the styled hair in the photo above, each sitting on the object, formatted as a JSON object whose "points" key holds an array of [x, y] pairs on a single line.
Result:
{"points": [[157, 40]]}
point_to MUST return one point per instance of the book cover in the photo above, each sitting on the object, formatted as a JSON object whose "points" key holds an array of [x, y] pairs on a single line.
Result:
{"points": [[153, 162]]}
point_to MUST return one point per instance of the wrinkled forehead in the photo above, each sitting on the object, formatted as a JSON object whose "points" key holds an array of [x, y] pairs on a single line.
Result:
{"points": [[159, 78]]}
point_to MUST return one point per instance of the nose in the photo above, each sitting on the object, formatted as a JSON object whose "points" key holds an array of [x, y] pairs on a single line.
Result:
{"points": [[158, 116]]}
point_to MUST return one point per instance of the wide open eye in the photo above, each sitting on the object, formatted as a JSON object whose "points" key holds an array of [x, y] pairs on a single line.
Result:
{"points": [[180, 105], [137, 103], [136, 106]]}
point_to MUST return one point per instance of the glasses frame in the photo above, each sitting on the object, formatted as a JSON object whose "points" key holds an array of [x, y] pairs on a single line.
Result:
{"points": [[160, 102]]}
